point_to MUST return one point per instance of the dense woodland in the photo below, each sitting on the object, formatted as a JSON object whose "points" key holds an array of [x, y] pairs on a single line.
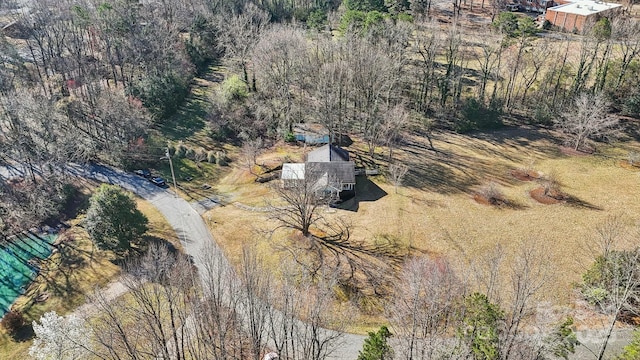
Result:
{"points": [[94, 80], [85, 80]]}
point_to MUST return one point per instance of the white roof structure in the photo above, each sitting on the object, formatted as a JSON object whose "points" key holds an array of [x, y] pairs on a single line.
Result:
{"points": [[585, 7], [293, 171], [270, 356]]}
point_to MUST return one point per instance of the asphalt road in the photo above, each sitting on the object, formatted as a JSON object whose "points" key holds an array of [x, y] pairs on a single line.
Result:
{"points": [[189, 226], [591, 341]]}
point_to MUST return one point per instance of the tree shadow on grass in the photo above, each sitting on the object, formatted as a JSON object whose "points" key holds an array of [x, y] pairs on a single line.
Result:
{"points": [[70, 256], [423, 202], [438, 177], [145, 242], [366, 269], [581, 204], [451, 171], [523, 137], [25, 333], [188, 120], [514, 205], [191, 177], [77, 202]]}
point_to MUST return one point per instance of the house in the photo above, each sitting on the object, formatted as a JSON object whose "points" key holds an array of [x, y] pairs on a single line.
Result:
{"points": [[573, 15], [329, 168]]}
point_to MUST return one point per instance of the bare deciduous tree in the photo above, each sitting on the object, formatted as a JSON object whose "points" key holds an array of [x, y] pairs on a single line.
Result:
{"points": [[395, 122], [489, 59], [626, 33], [330, 90], [588, 118], [255, 284], [240, 33], [302, 198], [218, 322], [251, 149], [428, 47], [397, 173], [535, 61], [449, 82], [162, 290], [306, 324], [529, 272], [372, 87], [612, 283], [485, 273], [517, 295], [279, 59], [423, 310]]}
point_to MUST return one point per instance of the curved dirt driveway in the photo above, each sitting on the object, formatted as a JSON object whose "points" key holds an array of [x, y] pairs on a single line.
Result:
{"points": [[189, 226]]}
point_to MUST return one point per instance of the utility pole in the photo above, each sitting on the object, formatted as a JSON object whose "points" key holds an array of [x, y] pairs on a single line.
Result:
{"points": [[173, 175]]}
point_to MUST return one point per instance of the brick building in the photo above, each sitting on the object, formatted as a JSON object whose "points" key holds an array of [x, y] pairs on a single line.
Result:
{"points": [[572, 16]]}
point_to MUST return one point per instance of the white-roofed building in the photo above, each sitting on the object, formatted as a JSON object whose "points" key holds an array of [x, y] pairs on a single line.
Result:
{"points": [[574, 15], [292, 171]]}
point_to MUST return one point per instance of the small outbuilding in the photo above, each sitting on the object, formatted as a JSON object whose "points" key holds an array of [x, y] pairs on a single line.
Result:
{"points": [[311, 134]]}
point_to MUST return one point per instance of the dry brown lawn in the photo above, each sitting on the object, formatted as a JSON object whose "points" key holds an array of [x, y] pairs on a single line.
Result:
{"points": [[435, 212]]}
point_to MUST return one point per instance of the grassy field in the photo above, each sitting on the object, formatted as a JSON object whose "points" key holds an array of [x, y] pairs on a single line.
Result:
{"points": [[435, 211], [73, 272], [189, 128], [237, 227]]}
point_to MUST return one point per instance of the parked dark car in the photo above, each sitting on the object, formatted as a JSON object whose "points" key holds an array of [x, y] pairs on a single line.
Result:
{"points": [[143, 172], [158, 181], [513, 7]]}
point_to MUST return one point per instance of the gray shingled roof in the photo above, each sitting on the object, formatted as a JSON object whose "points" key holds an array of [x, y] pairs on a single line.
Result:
{"points": [[328, 153], [335, 171], [328, 164]]}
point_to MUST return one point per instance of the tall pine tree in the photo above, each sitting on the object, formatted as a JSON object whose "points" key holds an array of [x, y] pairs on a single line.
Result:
{"points": [[376, 347], [113, 221]]}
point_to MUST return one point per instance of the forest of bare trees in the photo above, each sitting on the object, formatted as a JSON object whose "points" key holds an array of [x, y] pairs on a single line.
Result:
{"points": [[173, 312], [91, 80], [88, 80]]}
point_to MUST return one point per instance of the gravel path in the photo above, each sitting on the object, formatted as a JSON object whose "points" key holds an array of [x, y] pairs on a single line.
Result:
{"points": [[189, 226], [112, 291]]}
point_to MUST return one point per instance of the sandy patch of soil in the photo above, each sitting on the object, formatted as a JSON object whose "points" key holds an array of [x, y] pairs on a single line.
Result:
{"points": [[497, 202], [525, 175], [539, 195]]}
